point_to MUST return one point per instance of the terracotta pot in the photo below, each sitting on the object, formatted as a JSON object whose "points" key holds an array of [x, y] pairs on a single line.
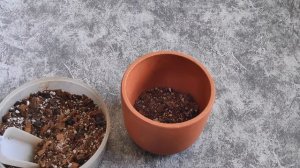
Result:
{"points": [[166, 69]]}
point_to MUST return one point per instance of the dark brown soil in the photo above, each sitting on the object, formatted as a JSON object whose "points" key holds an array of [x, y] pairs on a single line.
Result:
{"points": [[72, 126], [167, 105]]}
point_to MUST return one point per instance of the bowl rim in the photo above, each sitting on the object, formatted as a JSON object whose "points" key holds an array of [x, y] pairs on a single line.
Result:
{"points": [[78, 82], [192, 121]]}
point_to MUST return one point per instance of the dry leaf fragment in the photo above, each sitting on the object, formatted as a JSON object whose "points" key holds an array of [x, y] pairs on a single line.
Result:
{"points": [[42, 151], [74, 165], [60, 136], [28, 126], [24, 110]]}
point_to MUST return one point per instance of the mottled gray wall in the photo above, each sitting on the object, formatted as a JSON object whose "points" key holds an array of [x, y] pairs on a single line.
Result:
{"points": [[251, 48]]}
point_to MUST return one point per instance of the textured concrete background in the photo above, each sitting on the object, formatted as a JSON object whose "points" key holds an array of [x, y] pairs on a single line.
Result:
{"points": [[251, 47]]}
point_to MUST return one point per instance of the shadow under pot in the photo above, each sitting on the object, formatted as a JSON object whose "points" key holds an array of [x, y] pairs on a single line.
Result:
{"points": [[166, 69]]}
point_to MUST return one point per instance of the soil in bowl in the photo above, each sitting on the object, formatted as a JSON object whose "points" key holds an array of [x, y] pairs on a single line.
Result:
{"points": [[167, 105], [72, 126]]}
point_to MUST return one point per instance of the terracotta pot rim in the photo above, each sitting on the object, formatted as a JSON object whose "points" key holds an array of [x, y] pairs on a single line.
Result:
{"points": [[204, 112]]}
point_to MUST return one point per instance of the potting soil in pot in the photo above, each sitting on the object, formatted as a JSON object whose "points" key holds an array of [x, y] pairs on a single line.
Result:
{"points": [[71, 126], [167, 105]]}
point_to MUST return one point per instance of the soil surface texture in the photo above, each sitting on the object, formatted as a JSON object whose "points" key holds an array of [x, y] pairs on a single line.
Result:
{"points": [[167, 105]]}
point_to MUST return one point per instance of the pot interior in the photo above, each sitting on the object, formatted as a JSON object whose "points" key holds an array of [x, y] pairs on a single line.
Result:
{"points": [[169, 70]]}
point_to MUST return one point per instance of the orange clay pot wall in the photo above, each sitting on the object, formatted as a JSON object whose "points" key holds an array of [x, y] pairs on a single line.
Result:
{"points": [[166, 69]]}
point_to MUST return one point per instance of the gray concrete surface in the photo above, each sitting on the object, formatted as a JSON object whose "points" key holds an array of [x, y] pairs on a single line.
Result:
{"points": [[251, 47]]}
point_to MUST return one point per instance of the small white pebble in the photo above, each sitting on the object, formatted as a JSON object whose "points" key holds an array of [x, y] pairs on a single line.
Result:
{"points": [[155, 119], [48, 131], [74, 151], [17, 111], [52, 93], [27, 102], [67, 111]]}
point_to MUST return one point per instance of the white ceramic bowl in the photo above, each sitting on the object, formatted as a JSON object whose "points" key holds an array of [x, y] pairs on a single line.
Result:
{"points": [[65, 84]]}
